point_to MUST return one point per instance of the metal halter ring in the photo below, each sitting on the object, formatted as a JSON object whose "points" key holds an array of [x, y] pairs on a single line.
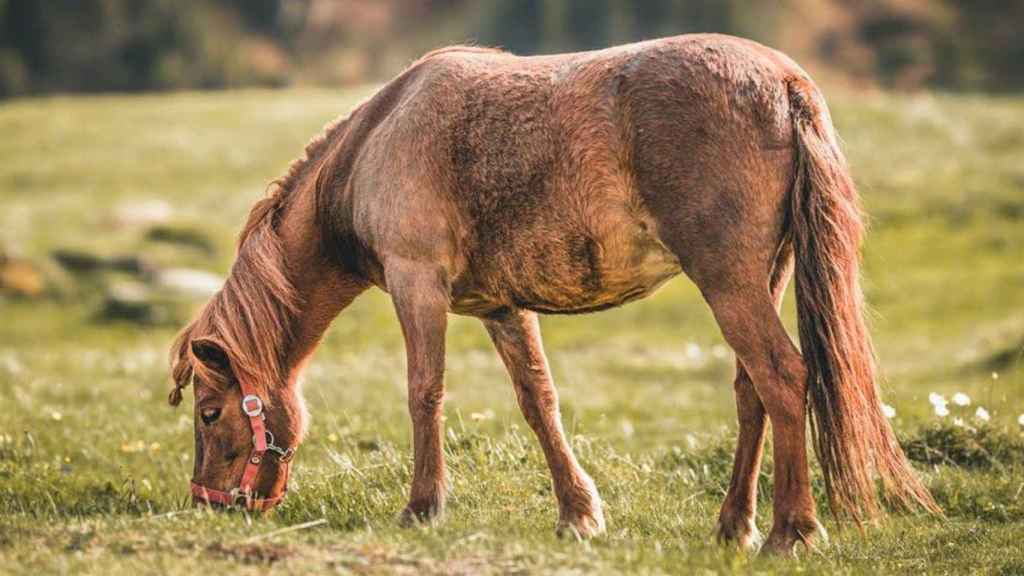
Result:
{"points": [[252, 405], [240, 497], [284, 455]]}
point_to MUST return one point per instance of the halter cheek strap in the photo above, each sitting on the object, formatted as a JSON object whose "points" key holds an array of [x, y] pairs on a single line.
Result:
{"points": [[263, 441]]}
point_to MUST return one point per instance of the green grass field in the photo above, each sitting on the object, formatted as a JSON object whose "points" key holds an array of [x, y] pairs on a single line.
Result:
{"points": [[94, 465]]}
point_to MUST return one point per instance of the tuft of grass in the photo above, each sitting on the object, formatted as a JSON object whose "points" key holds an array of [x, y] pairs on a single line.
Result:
{"points": [[967, 447]]}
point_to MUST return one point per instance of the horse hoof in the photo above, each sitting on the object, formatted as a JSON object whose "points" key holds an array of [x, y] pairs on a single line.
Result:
{"points": [[581, 527], [783, 540], [778, 549], [416, 516], [743, 534]]}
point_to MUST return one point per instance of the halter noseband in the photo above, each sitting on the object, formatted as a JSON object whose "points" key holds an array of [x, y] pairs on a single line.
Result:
{"points": [[263, 441]]}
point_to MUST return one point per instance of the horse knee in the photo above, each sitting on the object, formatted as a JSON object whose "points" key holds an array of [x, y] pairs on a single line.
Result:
{"points": [[426, 403]]}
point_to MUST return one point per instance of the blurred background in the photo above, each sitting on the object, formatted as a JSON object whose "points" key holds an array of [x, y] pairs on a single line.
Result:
{"points": [[135, 135], [133, 45]]}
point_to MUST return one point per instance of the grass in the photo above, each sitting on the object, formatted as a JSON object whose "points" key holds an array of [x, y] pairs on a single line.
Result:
{"points": [[94, 465]]}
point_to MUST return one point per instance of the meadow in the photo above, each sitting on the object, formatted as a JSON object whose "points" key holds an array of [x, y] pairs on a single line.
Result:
{"points": [[94, 465]]}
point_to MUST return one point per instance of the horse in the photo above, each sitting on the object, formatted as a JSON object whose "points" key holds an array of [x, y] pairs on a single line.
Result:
{"points": [[482, 183]]}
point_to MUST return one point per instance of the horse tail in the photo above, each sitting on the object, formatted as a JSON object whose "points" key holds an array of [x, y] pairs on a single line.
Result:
{"points": [[853, 440]]}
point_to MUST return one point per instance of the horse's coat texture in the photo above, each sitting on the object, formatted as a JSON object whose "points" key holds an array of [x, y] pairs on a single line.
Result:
{"points": [[484, 183]]}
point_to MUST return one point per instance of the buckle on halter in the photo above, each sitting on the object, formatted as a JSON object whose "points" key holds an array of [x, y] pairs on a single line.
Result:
{"points": [[285, 456], [252, 405], [240, 497]]}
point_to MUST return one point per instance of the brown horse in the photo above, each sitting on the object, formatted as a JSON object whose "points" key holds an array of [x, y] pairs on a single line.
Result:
{"points": [[487, 184]]}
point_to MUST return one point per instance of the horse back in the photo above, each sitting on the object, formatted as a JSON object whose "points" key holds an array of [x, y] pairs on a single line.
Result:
{"points": [[547, 180]]}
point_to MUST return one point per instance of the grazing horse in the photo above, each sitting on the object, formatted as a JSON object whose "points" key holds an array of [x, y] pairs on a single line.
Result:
{"points": [[482, 183]]}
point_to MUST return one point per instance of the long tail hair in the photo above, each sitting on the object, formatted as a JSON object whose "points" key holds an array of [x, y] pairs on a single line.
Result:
{"points": [[855, 444]]}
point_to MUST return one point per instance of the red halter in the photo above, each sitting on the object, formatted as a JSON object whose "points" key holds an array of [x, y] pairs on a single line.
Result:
{"points": [[263, 441]]}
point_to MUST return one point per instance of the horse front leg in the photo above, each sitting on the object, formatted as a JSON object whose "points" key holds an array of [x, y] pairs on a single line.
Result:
{"points": [[516, 335], [421, 302]]}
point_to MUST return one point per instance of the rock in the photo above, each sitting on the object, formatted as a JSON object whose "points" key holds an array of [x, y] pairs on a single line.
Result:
{"points": [[129, 264], [76, 261], [20, 278], [188, 282], [80, 262], [133, 302], [183, 236]]}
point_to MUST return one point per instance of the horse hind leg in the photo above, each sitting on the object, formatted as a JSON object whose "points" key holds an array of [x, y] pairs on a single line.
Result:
{"points": [[737, 518], [749, 321]]}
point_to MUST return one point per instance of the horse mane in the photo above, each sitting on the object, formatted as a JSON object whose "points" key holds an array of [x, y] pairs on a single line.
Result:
{"points": [[251, 318]]}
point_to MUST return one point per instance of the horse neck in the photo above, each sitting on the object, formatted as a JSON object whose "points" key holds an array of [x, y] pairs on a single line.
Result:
{"points": [[322, 288]]}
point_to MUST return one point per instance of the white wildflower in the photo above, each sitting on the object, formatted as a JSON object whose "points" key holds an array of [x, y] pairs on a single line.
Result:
{"points": [[1020, 420], [941, 410], [692, 442], [693, 351], [937, 400], [627, 428], [888, 411], [958, 421], [961, 399], [995, 375], [481, 416], [982, 415]]}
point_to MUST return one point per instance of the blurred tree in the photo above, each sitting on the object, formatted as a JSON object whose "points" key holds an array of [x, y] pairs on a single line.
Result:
{"points": [[516, 26], [95, 45], [127, 45], [984, 46]]}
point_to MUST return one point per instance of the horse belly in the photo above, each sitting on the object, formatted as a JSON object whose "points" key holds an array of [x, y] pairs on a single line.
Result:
{"points": [[633, 271], [624, 263], [625, 267]]}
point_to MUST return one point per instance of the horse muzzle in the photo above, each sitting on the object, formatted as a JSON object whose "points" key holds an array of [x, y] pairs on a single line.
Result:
{"points": [[234, 499], [245, 495]]}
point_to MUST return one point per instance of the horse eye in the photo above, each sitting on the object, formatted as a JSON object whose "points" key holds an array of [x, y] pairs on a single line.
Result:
{"points": [[210, 415]]}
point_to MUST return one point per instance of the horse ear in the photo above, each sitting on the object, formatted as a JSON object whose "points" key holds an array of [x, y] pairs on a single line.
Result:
{"points": [[211, 354], [196, 356]]}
